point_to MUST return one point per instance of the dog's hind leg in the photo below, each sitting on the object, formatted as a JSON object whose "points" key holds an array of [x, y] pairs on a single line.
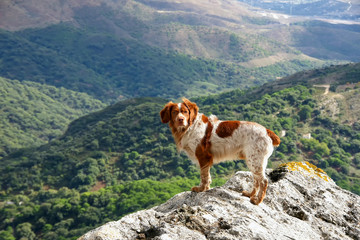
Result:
{"points": [[262, 191], [256, 160], [261, 184], [260, 175], [254, 190]]}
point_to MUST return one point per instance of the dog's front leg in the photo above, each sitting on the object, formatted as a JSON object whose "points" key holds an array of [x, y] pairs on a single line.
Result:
{"points": [[205, 179], [205, 159]]}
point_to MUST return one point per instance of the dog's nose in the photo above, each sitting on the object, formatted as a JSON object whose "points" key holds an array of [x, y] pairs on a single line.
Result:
{"points": [[181, 120]]}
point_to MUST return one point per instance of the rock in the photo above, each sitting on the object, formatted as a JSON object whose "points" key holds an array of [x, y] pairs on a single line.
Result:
{"points": [[302, 202]]}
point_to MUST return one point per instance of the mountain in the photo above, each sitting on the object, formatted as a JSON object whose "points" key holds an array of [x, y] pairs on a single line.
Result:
{"points": [[124, 49], [334, 76], [111, 69], [321, 39], [203, 28], [128, 135], [122, 159], [136, 54], [33, 114], [301, 201]]}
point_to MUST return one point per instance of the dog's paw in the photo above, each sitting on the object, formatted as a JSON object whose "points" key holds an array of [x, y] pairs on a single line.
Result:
{"points": [[197, 189], [246, 193], [255, 200], [200, 188]]}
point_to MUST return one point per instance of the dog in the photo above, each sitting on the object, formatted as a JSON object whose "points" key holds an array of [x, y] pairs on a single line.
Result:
{"points": [[208, 140]]}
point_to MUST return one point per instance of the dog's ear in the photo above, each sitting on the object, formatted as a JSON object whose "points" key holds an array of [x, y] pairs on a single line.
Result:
{"points": [[165, 114], [193, 108]]}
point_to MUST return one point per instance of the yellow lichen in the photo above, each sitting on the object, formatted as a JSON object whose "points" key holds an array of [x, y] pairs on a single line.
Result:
{"points": [[307, 167]]}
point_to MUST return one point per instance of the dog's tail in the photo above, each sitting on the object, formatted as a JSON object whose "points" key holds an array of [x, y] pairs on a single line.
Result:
{"points": [[275, 139]]}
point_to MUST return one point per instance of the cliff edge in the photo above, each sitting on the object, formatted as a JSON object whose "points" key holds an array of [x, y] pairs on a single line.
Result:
{"points": [[302, 202]]}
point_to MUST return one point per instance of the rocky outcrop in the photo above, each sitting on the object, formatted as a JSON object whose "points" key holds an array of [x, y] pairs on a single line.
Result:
{"points": [[302, 202]]}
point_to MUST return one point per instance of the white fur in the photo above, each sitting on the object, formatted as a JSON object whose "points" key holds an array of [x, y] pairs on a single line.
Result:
{"points": [[192, 137], [181, 115], [249, 139]]}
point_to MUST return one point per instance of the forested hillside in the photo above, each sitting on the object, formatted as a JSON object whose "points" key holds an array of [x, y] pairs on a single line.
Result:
{"points": [[129, 155], [227, 30], [32, 113], [125, 49], [63, 172], [110, 69]]}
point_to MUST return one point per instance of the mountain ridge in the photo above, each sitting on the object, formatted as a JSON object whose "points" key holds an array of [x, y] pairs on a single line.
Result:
{"points": [[152, 23]]}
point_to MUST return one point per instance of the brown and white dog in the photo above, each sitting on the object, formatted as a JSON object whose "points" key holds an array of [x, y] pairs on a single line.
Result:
{"points": [[208, 141]]}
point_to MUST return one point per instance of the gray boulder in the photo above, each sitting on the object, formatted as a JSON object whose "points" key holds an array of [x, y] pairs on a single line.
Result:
{"points": [[302, 202]]}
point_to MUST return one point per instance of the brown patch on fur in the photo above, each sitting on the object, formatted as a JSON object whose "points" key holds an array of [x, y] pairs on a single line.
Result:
{"points": [[275, 139], [202, 151], [204, 118], [165, 114], [226, 128]]}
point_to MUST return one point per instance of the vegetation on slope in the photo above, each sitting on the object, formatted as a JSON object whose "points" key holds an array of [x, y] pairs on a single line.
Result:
{"points": [[108, 68], [320, 39], [211, 36], [334, 76], [52, 191], [114, 149], [67, 214], [33, 114], [328, 41]]}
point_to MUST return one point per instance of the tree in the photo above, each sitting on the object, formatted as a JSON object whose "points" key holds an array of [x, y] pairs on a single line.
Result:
{"points": [[315, 146], [7, 234], [324, 164], [305, 113], [357, 159], [23, 230], [179, 171], [322, 149]]}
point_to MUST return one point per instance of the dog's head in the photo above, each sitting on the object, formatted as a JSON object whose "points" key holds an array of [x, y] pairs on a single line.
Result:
{"points": [[180, 116]]}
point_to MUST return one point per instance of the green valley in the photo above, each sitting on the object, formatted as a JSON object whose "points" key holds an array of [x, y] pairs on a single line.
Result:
{"points": [[112, 69], [33, 113], [121, 159], [82, 84]]}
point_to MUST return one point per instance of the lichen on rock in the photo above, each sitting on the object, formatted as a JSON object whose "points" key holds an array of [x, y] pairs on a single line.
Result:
{"points": [[306, 168]]}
